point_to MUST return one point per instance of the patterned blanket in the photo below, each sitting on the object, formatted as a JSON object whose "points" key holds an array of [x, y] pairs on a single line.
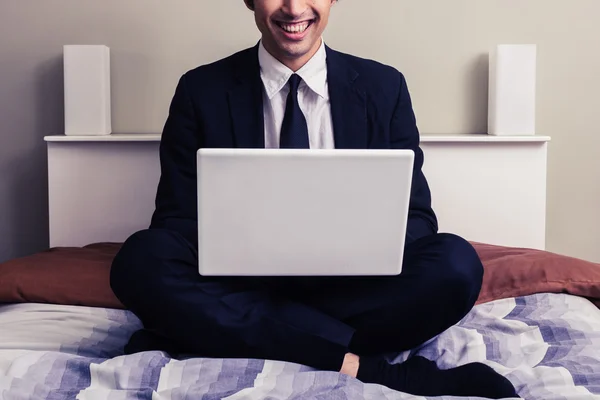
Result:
{"points": [[548, 345]]}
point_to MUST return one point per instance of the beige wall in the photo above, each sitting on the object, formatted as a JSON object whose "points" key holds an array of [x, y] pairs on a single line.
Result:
{"points": [[441, 46]]}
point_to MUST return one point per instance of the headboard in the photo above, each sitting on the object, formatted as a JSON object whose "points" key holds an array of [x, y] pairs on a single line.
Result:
{"points": [[489, 189]]}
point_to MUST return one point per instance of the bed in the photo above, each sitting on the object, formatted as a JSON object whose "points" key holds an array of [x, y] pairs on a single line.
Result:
{"points": [[537, 320], [547, 344]]}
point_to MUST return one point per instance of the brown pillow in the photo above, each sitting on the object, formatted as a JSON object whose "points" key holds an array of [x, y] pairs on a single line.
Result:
{"points": [[512, 272], [67, 275], [80, 276]]}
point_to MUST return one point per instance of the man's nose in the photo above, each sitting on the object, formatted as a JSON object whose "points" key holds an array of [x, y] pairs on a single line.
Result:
{"points": [[295, 8]]}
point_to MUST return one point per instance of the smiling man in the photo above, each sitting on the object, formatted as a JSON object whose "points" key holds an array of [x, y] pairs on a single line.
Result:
{"points": [[293, 91]]}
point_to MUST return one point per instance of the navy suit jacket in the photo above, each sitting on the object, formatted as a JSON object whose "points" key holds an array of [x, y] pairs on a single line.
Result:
{"points": [[219, 105]]}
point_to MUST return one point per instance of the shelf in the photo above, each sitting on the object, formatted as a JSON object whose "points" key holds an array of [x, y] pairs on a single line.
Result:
{"points": [[425, 138], [479, 138], [115, 137]]}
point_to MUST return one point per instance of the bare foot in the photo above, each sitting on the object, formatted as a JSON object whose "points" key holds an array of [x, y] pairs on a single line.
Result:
{"points": [[350, 365]]}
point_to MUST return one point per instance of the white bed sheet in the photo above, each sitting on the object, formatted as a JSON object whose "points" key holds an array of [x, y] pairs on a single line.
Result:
{"points": [[548, 345]]}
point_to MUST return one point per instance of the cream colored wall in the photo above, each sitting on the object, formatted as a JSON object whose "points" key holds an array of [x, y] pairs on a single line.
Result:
{"points": [[441, 47]]}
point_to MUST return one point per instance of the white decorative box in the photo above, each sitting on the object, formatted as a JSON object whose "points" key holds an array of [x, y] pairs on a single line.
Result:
{"points": [[512, 90], [87, 90]]}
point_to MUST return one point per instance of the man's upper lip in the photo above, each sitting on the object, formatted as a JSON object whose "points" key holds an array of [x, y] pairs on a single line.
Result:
{"points": [[294, 22]]}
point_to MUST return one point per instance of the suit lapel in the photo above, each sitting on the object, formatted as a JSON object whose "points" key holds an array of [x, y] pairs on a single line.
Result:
{"points": [[348, 104], [245, 102]]}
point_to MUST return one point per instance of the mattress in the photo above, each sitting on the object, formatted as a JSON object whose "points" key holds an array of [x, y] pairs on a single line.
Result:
{"points": [[548, 345]]}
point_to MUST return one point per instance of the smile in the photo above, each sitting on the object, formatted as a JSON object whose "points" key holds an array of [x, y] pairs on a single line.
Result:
{"points": [[294, 28]]}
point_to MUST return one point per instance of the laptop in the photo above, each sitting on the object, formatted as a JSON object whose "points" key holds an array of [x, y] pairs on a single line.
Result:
{"points": [[302, 212]]}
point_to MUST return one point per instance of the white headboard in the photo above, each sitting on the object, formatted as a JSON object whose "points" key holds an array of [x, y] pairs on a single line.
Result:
{"points": [[489, 189]]}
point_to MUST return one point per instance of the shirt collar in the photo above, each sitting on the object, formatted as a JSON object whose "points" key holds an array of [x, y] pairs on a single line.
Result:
{"points": [[275, 75]]}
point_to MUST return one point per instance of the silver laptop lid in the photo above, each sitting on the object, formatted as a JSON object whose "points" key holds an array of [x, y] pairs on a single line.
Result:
{"points": [[302, 212]]}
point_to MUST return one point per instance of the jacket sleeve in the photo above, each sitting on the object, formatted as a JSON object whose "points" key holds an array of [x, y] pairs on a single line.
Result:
{"points": [[404, 134], [177, 189]]}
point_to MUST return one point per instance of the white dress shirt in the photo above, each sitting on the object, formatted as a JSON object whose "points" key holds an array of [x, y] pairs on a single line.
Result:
{"points": [[313, 98]]}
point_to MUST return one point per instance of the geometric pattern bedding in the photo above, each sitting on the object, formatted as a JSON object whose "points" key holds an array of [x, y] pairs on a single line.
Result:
{"points": [[548, 345]]}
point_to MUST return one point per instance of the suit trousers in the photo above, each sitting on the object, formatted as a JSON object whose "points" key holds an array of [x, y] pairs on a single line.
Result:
{"points": [[312, 321]]}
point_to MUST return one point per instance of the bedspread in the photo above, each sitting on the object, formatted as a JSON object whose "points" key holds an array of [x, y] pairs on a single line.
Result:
{"points": [[548, 345]]}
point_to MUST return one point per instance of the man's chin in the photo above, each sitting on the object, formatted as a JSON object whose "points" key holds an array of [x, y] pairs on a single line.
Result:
{"points": [[290, 50], [295, 51]]}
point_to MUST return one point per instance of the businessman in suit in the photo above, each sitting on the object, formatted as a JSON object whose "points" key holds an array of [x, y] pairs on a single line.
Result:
{"points": [[293, 91]]}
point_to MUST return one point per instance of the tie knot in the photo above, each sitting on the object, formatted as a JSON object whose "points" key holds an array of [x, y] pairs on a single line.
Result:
{"points": [[294, 82]]}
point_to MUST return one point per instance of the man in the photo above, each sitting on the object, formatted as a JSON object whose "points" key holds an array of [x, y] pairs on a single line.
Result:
{"points": [[293, 91]]}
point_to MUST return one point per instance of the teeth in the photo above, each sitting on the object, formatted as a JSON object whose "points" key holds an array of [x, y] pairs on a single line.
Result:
{"points": [[295, 28]]}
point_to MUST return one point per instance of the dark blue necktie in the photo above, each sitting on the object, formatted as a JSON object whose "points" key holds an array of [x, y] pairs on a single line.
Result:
{"points": [[294, 131]]}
